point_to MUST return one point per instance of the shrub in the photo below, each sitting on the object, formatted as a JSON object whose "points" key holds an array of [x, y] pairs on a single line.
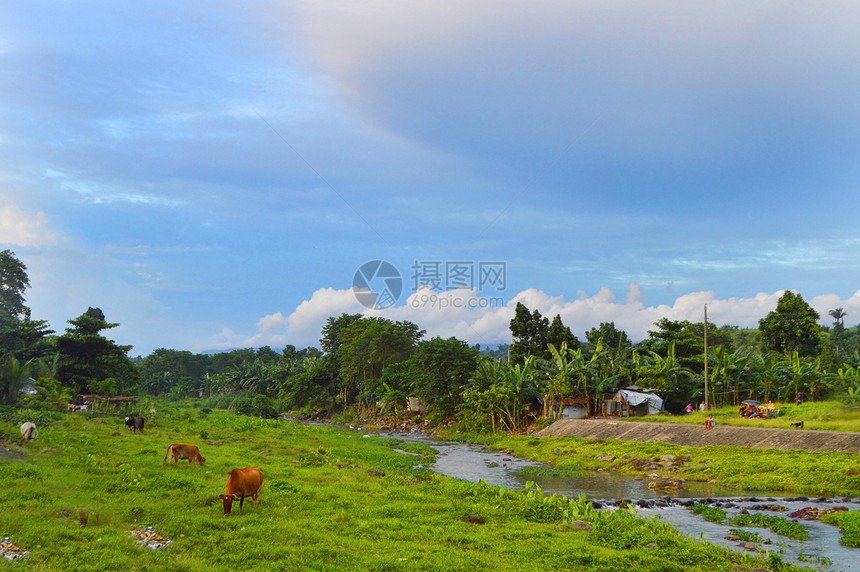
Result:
{"points": [[264, 407]]}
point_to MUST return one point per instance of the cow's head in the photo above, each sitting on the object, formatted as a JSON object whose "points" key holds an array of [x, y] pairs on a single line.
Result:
{"points": [[228, 503], [201, 461]]}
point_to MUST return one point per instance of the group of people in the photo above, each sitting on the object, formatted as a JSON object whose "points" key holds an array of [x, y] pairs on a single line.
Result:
{"points": [[709, 422], [689, 408]]}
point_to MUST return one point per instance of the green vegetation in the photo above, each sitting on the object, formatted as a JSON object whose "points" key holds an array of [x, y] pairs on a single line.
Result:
{"points": [[818, 415], [848, 523], [738, 467], [378, 367], [332, 499], [711, 513], [748, 536], [777, 524]]}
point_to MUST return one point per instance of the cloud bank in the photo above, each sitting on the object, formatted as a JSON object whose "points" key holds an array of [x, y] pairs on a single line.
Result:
{"points": [[456, 313]]}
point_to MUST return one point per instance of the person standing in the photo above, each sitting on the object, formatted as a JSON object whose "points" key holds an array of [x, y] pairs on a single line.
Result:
{"points": [[688, 409], [702, 407]]}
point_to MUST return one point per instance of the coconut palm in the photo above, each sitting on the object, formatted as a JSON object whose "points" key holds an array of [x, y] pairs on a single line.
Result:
{"points": [[838, 314]]}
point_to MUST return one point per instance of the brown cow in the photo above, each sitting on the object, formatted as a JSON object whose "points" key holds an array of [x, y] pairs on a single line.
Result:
{"points": [[184, 451], [242, 483]]}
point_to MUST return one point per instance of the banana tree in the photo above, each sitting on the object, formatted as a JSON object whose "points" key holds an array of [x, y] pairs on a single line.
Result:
{"points": [[13, 375], [558, 373], [518, 386]]}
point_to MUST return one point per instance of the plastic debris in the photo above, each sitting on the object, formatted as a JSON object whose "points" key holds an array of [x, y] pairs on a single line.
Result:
{"points": [[11, 552], [150, 539]]}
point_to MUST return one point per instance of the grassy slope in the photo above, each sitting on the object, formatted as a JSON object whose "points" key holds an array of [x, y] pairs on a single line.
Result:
{"points": [[794, 472], [818, 415], [320, 508]]}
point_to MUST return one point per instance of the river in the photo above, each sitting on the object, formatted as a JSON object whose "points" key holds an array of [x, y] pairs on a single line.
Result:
{"points": [[474, 463]]}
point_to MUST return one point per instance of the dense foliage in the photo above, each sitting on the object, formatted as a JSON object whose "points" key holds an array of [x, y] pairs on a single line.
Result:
{"points": [[376, 364]]}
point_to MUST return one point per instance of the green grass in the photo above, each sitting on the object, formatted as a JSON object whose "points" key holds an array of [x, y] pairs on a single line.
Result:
{"points": [[711, 513], [817, 415], [849, 524], [792, 472], [324, 506], [748, 536], [776, 524]]}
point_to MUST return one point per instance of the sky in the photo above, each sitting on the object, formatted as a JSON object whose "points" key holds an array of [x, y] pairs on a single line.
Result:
{"points": [[218, 175]]}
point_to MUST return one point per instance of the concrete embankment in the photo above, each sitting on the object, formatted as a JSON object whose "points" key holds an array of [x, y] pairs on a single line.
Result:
{"points": [[698, 436]]}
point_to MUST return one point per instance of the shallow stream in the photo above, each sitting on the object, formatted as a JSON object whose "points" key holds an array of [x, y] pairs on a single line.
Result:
{"points": [[474, 463]]}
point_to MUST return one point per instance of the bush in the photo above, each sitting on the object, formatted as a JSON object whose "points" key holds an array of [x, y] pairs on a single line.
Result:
{"points": [[15, 416], [244, 406], [264, 407]]}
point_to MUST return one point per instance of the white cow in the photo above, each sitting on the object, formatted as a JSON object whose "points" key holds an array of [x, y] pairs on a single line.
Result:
{"points": [[29, 431]]}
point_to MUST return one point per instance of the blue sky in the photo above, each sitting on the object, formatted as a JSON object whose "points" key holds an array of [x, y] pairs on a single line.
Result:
{"points": [[213, 175]]}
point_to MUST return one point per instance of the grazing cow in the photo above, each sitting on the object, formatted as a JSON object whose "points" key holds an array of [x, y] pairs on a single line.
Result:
{"points": [[242, 483], [184, 451], [29, 431], [135, 424]]}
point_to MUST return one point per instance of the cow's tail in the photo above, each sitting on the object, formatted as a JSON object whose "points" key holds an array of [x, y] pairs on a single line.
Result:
{"points": [[169, 453]]}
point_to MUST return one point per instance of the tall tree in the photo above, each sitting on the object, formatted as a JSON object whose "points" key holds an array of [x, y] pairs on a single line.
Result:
{"points": [[559, 334], [532, 332], [791, 327], [89, 362], [13, 282], [332, 332], [688, 340], [367, 346], [612, 337], [440, 370], [838, 334]]}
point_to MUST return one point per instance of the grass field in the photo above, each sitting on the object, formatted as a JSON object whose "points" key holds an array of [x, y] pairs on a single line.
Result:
{"points": [[816, 415], [332, 499], [793, 472]]}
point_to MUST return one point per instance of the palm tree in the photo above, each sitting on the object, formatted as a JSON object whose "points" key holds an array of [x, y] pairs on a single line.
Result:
{"points": [[13, 375], [838, 314]]}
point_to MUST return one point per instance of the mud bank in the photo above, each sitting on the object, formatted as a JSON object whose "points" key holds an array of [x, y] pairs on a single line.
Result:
{"points": [[698, 436]]}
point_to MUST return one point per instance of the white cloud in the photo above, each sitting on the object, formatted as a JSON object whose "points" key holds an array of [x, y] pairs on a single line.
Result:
{"points": [[102, 193], [462, 314], [23, 228], [303, 326]]}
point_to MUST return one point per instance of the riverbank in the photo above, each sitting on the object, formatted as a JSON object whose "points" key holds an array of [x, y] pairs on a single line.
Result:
{"points": [[698, 436], [86, 492]]}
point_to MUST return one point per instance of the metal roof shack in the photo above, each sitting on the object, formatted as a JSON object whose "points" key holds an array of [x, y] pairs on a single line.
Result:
{"points": [[632, 401]]}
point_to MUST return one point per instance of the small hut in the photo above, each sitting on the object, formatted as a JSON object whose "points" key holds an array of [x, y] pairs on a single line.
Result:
{"points": [[102, 404], [632, 401]]}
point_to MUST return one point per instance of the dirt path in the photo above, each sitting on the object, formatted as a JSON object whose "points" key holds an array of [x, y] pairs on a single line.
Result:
{"points": [[697, 436]]}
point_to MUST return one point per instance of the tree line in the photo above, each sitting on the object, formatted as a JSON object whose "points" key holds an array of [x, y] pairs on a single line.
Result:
{"points": [[57, 368], [376, 364]]}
